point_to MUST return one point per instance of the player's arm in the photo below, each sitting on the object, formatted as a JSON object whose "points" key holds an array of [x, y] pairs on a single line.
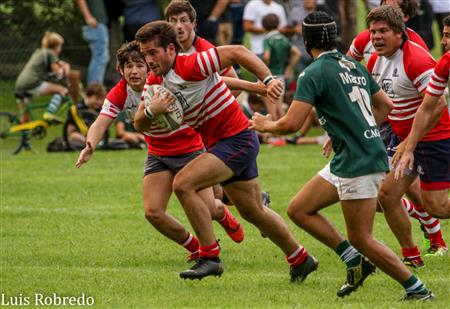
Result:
{"points": [[243, 85], [381, 106], [231, 73], [232, 54], [94, 136], [291, 122], [427, 116]]}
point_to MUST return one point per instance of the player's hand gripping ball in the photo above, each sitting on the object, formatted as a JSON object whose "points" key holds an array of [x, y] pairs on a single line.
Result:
{"points": [[172, 119]]}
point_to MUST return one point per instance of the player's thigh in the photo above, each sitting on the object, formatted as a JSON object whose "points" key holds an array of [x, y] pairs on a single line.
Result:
{"points": [[156, 190], [204, 171], [316, 194], [436, 198], [359, 216], [245, 195]]}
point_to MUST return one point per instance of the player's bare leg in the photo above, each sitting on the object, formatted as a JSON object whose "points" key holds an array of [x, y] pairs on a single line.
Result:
{"points": [[437, 203], [389, 197], [157, 188]]}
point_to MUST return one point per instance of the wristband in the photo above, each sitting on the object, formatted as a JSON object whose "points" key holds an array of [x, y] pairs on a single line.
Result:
{"points": [[148, 113], [268, 79]]}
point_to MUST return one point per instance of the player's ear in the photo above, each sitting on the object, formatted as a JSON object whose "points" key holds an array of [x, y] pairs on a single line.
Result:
{"points": [[121, 71]]}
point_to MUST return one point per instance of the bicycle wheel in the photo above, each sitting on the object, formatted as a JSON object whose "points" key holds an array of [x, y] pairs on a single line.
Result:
{"points": [[7, 120]]}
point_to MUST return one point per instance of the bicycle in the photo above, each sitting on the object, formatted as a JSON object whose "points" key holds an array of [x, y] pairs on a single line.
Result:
{"points": [[11, 126]]}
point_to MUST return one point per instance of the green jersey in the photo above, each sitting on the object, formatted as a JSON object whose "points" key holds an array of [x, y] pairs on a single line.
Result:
{"points": [[37, 69], [340, 89], [280, 51]]}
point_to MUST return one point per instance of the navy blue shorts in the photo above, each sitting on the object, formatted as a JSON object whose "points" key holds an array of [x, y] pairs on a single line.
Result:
{"points": [[155, 164], [431, 162], [239, 153]]}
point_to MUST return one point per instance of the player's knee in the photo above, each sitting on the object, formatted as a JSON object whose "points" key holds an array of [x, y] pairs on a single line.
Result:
{"points": [[295, 213], [180, 186], [154, 216], [386, 198]]}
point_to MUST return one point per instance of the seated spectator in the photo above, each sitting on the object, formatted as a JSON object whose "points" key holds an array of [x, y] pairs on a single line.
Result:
{"points": [[44, 74], [81, 116], [125, 131]]}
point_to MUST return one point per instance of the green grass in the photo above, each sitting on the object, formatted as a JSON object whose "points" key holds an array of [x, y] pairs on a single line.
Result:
{"points": [[71, 231]]}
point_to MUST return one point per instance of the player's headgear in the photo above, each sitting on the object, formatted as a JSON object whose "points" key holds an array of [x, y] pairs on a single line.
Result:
{"points": [[319, 30]]}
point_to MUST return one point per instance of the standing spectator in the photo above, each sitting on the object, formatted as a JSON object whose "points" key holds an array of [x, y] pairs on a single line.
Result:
{"points": [[441, 8], [347, 22], [95, 32], [137, 13], [236, 8], [422, 22], [208, 14], [281, 57], [295, 20], [254, 13]]}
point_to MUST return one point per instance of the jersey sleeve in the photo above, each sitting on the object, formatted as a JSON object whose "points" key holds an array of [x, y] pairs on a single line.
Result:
{"points": [[198, 66], [115, 100], [359, 44], [440, 76], [419, 72]]}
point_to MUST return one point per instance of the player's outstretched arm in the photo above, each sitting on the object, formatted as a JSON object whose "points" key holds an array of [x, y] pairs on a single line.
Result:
{"points": [[232, 54], [241, 84], [427, 116], [289, 123], [94, 135], [381, 106]]}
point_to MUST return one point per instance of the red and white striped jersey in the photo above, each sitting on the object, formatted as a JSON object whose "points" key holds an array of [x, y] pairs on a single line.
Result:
{"points": [[208, 105], [160, 141], [200, 44], [440, 76], [362, 47], [404, 78]]}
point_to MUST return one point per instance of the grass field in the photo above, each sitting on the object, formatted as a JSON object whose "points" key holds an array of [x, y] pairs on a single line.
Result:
{"points": [[74, 232], [70, 231]]}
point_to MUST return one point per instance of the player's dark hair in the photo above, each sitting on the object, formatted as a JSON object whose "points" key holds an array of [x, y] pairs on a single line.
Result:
{"points": [[270, 22], [176, 7], [408, 7], [446, 21], [391, 15], [319, 30], [128, 51], [159, 30]]}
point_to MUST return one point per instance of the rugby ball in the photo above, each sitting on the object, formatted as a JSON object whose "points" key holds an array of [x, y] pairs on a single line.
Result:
{"points": [[171, 120]]}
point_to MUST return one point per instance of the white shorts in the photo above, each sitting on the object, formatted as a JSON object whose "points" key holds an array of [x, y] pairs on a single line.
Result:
{"points": [[356, 188]]}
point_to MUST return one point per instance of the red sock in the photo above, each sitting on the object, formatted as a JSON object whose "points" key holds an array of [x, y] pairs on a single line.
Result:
{"points": [[191, 243], [297, 257], [411, 252], [410, 208], [211, 251]]}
